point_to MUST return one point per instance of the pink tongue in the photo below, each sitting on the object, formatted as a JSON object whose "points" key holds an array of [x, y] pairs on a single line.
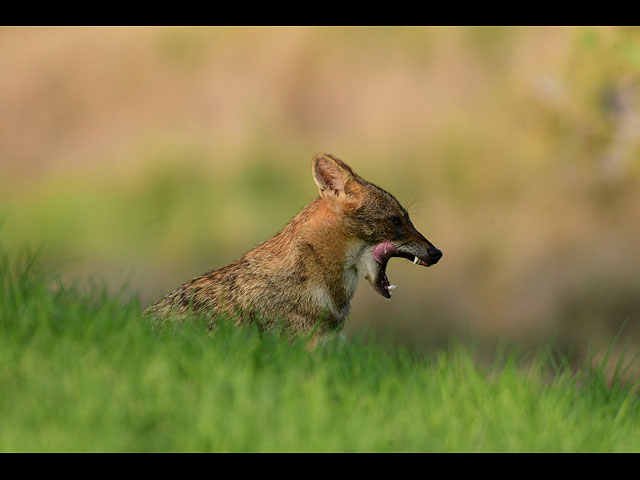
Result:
{"points": [[383, 250]]}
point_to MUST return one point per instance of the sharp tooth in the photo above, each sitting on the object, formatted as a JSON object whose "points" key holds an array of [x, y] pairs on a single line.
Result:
{"points": [[391, 287], [416, 260]]}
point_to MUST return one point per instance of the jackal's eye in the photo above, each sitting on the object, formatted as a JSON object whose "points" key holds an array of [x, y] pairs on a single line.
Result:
{"points": [[396, 221]]}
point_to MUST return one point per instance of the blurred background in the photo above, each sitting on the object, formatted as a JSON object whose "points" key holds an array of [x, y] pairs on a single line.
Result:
{"points": [[152, 155]]}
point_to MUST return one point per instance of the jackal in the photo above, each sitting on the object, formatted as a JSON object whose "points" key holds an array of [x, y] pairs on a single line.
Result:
{"points": [[306, 274]]}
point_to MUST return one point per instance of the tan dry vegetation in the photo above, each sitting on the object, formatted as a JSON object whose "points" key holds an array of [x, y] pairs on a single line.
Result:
{"points": [[160, 153]]}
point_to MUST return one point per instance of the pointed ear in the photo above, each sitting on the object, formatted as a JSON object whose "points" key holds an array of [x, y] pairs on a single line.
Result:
{"points": [[336, 181]]}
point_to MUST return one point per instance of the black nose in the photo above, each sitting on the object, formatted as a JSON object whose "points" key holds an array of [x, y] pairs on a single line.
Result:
{"points": [[434, 253]]}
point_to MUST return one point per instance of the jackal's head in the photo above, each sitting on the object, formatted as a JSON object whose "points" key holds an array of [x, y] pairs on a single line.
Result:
{"points": [[374, 219]]}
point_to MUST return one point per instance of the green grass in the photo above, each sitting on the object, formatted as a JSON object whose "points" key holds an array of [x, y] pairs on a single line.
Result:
{"points": [[81, 370]]}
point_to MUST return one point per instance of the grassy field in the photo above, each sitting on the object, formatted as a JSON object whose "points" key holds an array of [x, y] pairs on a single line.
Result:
{"points": [[81, 370]]}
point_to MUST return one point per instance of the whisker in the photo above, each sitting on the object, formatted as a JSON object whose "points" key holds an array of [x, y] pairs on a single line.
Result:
{"points": [[412, 203]]}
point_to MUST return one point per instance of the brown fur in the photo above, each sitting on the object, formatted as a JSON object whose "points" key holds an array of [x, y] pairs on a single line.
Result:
{"points": [[306, 274]]}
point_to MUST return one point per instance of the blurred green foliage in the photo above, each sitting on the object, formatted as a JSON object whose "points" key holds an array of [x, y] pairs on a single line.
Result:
{"points": [[157, 154]]}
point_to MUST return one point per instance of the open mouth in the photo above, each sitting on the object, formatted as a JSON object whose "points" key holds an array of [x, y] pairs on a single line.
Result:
{"points": [[384, 251]]}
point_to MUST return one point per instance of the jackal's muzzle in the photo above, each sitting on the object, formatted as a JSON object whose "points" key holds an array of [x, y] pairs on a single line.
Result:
{"points": [[420, 252]]}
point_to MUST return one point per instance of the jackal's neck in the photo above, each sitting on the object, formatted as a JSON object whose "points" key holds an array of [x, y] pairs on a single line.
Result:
{"points": [[317, 243]]}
